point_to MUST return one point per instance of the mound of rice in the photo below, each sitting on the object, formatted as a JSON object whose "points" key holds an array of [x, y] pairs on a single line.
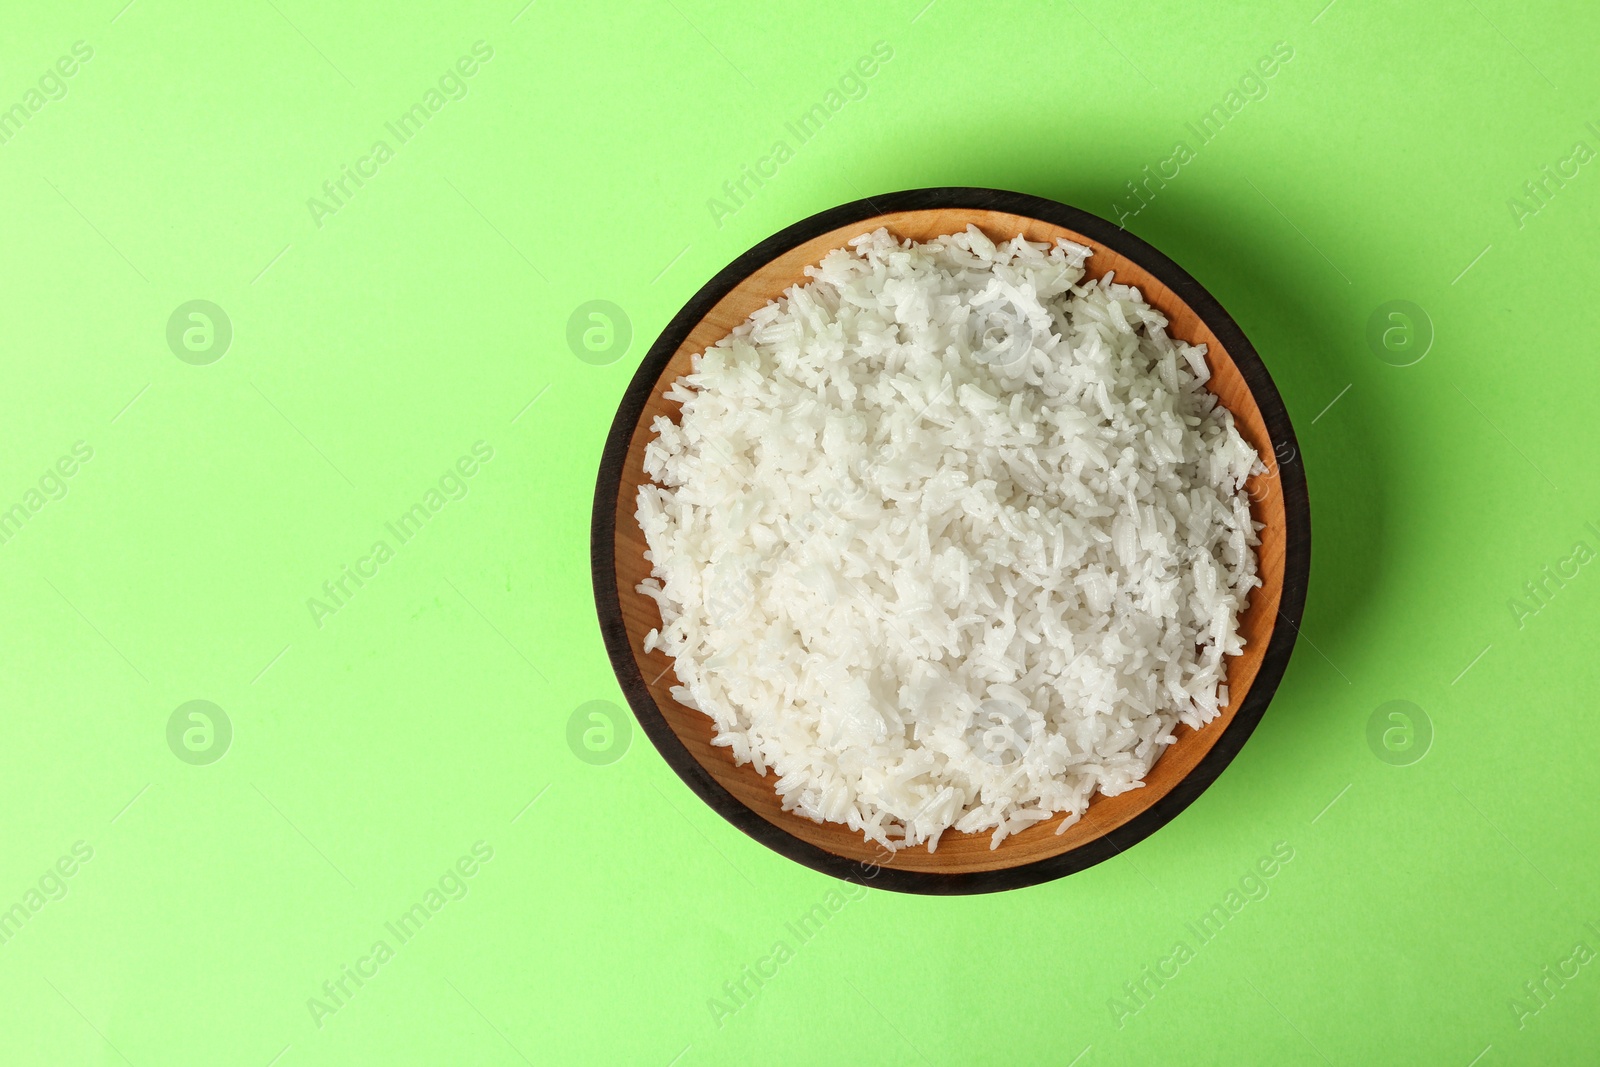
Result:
{"points": [[949, 536]]}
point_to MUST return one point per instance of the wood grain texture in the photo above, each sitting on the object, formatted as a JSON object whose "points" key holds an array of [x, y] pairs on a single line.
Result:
{"points": [[1039, 847]]}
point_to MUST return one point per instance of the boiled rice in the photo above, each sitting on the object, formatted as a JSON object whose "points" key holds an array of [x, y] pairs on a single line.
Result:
{"points": [[949, 536]]}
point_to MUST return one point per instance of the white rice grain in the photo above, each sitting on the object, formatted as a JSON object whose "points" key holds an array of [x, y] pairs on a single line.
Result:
{"points": [[949, 536]]}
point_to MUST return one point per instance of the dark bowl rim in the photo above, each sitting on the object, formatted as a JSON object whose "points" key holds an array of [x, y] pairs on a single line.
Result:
{"points": [[1297, 546]]}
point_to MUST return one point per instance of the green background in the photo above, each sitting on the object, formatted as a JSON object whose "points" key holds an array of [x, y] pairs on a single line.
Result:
{"points": [[373, 346]]}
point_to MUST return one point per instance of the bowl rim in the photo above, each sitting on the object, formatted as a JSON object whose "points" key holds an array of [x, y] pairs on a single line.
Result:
{"points": [[1297, 544]]}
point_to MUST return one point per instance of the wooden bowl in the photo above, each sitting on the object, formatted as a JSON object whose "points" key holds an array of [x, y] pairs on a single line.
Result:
{"points": [[963, 863]]}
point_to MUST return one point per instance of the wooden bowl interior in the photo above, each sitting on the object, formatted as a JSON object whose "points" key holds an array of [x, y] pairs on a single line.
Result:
{"points": [[957, 852]]}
